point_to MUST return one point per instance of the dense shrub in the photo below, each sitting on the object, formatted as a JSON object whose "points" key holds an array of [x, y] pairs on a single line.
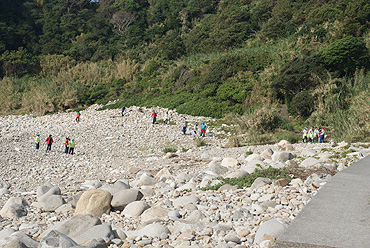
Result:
{"points": [[302, 104], [346, 55], [298, 75]]}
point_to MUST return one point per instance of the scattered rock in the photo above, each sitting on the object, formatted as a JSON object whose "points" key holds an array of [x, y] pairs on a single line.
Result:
{"points": [[95, 202]]}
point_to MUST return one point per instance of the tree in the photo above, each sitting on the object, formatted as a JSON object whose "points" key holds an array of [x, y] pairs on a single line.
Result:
{"points": [[302, 104], [18, 63], [346, 55], [121, 20], [297, 76]]}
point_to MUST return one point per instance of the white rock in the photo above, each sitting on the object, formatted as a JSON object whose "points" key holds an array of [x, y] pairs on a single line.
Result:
{"points": [[254, 157], [229, 162], [311, 163], [271, 227], [135, 208]]}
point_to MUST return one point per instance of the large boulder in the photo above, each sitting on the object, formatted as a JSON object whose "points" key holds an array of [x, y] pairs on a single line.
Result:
{"points": [[254, 157], [217, 168], [182, 201], [49, 203], [271, 227], [55, 239], [135, 209], [311, 162], [229, 162], [122, 198], [146, 180], [153, 213], [14, 208], [284, 145], [282, 156], [95, 202], [49, 198], [259, 182], [154, 230], [96, 232], [74, 226], [252, 165], [19, 239], [47, 189], [267, 154]]}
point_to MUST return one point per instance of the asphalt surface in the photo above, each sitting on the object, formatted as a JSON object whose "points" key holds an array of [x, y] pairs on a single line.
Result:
{"points": [[337, 216]]}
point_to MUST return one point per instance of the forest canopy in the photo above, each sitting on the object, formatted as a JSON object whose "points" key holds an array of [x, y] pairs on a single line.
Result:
{"points": [[204, 57]]}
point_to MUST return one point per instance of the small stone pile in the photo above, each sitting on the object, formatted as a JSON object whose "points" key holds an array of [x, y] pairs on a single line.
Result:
{"points": [[121, 190]]}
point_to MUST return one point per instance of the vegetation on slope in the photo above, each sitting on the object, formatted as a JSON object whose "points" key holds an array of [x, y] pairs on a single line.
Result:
{"points": [[206, 57]]}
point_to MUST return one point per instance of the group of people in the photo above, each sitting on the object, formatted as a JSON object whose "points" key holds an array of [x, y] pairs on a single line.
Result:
{"points": [[202, 131], [69, 144], [314, 134]]}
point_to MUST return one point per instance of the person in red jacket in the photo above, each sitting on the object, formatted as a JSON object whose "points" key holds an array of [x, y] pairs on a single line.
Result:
{"points": [[154, 117], [78, 116], [49, 140], [66, 145]]}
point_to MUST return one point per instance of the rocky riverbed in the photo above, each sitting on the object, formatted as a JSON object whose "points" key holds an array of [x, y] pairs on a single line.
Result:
{"points": [[121, 189]]}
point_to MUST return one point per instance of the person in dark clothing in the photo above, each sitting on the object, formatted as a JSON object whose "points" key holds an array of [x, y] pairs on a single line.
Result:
{"points": [[49, 140], [184, 127], [123, 110]]}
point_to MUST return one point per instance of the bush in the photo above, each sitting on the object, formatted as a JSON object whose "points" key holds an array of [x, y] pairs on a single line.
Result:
{"points": [[262, 120], [302, 104], [346, 55], [297, 76]]}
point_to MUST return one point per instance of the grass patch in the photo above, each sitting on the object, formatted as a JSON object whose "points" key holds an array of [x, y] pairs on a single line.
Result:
{"points": [[346, 147], [168, 149], [247, 180], [183, 149], [199, 142], [290, 136]]}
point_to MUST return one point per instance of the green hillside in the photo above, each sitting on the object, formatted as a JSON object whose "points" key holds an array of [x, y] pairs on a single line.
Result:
{"points": [[205, 57]]}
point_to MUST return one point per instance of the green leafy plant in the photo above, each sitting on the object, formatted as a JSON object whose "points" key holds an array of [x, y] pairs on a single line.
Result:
{"points": [[247, 180]]}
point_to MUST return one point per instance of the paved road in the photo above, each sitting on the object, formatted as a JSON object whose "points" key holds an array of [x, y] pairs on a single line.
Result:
{"points": [[338, 215]]}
